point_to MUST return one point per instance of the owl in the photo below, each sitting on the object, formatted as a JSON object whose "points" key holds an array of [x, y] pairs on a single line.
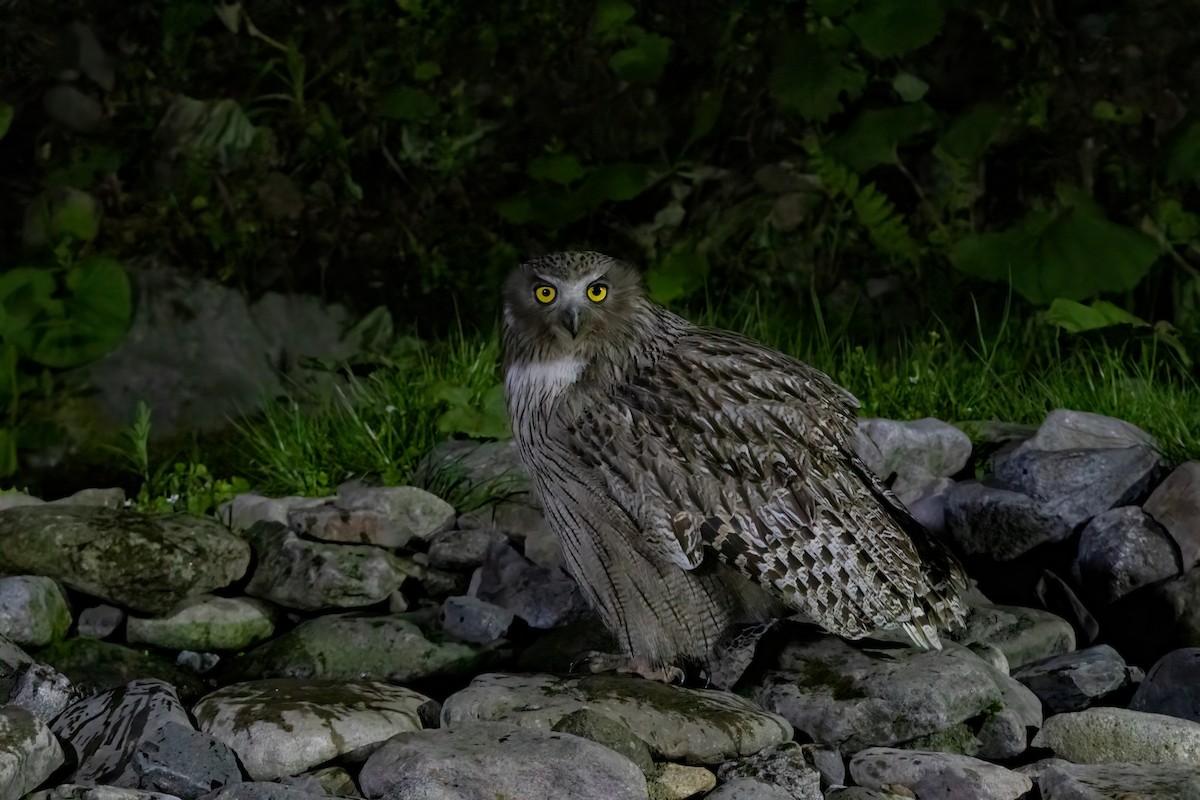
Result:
{"points": [[701, 483]]}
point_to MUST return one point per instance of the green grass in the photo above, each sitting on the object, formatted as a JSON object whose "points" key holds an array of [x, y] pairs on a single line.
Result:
{"points": [[380, 425]]}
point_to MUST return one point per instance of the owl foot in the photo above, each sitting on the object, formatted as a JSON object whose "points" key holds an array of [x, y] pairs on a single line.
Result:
{"points": [[595, 661]]}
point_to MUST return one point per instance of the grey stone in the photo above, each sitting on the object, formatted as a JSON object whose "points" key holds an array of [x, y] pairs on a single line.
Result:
{"points": [[246, 509], [853, 698], [90, 57], [206, 623], [931, 774], [487, 760], [97, 498], [492, 468], [545, 597], [386, 648], [1110, 735], [100, 622], [1172, 686], [998, 523], [29, 753], [917, 452], [671, 781], [1175, 505], [198, 663], [185, 762], [33, 610], [283, 727], [438, 584], [787, 766], [1023, 635], [95, 666], [607, 731], [1065, 781], [264, 790], [463, 549], [473, 620], [330, 780], [699, 726], [1121, 550], [41, 690], [139, 711], [307, 575], [1064, 429], [748, 789], [329, 523], [143, 563], [12, 498], [1073, 681], [929, 508], [75, 791], [411, 513], [1182, 598], [863, 793]]}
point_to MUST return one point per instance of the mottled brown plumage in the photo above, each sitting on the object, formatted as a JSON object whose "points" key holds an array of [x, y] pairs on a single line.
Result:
{"points": [[699, 480]]}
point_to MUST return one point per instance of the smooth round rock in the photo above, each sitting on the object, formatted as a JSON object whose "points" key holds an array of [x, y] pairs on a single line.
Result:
{"points": [[205, 624], [1112, 735]]}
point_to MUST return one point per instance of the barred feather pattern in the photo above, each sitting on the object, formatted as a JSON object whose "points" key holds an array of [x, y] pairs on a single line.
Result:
{"points": [[699, 481]]}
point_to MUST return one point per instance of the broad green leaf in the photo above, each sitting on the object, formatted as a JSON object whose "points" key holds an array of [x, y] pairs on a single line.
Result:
{"points": [[708, 110], [1107, 111], [834, 9], [644, 61], [1076, 317], [810, 79], [678, 275], [615, 182], [610, 18], [971, 133], [25, 294], [551, 208], [887, 28], [874, 136], [426, 71], [561, 168], [909, 87], [216, 130], [6, 117], [1072, 253], [95, 317], [407, 104], [76, 214], [1181, 153]]}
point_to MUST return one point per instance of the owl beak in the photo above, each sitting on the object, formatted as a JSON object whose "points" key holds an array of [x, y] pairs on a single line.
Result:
{"points": [[570, 320]]}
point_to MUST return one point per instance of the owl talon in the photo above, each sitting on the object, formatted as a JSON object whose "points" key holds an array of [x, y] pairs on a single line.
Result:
{"points": [[596, 662]]}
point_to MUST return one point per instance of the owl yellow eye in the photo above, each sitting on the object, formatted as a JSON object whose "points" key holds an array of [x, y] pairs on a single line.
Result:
{"points": [[597, 292], [544, 293]]}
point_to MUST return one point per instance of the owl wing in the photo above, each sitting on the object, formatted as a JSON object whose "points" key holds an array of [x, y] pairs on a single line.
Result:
{"points": [[724, 450]]}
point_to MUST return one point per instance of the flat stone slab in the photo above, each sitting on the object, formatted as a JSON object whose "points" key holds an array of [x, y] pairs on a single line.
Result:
{"points": [[1112, 735], [933, 774], [1065, 781]]}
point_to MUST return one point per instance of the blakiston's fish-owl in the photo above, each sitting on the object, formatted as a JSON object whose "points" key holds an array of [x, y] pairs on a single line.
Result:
{"points": [[700, 481]]}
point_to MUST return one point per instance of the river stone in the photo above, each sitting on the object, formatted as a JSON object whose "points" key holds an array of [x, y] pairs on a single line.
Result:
{"points": [[100, 622], [186, 762], [283, 727], [1065, 781], [1121, 550], [492, 468], [246, 509], [672, 781], [75, 791], [95, 666], [787, 766], [1175, 505], [38, 688], [607, 731], [1064, 429], [1023, 635], [411, 513], [853, 698], [386, 647], [13, 498], [103, 498], [141, 562], [105, 730], [1172, 686], [29, 752], [463, 549], [302, 574], [1111, 735], [695, 725], [996, 522], [932, 774], [544, 597], [473, 620], [749, 789], [206, 623], [1073, 681], [33, 610], [918, 452], [265, 790], [488, 760]]}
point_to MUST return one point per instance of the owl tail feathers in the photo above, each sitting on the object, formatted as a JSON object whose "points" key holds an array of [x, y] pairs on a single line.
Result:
{"points": [[922, 635]]}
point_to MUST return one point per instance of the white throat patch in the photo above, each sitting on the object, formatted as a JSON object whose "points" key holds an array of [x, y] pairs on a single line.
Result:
{"points": [[543, 377]]}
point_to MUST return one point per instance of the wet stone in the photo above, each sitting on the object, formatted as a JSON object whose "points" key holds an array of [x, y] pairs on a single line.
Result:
{"points": [[1172, 686], [75, 791], [1121, 550], [185, 762], [605, 730], [33, 610], [932, 774], [40, 689], [206, 623], [264, 790], [1112, 735], [473, 620], [411, 513], [1066, 781], [787, 766], [1175, 505], [283, 727], [100, 622], [96, 666], [1064, 429], [544, 597], [1074, 681]]}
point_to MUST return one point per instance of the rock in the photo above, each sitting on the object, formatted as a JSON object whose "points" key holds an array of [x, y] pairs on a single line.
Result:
{"points": [[605, 730], [1073, 681], [29, 753], [438, 584], [676, 782], [492, 468], [105, 730], [33, 610], [282, 727], [185, 762], [1121, 550], [785, 766], [40, 689], [1111, 735], [73, 108], [95, 666], [74, 791], [852, 698], [491, 759], [1064, 781], [198, 663], [206, 623], [997, 523], [338, 647], [412, 513], [1064, 429], [930, 774], [862, 793], [748, 789], [144, 563], [329, 523], [97, 498], [246, 509], [521, 519], [544, 597], [264, 790], [12, 498], [917, 452], [929, 508], [1172, 686], [307, 575], [330, 780], [463, 550], [1023, 635], [1175, 505], [100, 622], [699, 726], [473, 620]]}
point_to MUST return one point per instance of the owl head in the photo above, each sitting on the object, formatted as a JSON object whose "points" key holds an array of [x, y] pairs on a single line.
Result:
{"points": [[570, 302]]}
